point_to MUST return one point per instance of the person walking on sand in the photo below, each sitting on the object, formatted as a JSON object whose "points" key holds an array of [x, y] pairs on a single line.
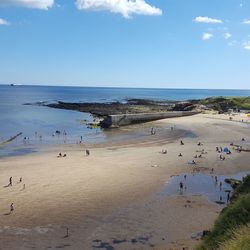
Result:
{"points": [[87, 152], [11, 207], [10, 181]]}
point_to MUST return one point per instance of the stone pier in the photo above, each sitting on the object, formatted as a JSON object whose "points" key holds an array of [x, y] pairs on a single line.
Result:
{"points": [[127, 119]]}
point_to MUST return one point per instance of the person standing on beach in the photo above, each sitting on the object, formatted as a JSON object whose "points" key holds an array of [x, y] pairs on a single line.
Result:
{"points": [[228, 197], [67, 233], [152, 131], [216, 179], [11, 207], [10, 181]]}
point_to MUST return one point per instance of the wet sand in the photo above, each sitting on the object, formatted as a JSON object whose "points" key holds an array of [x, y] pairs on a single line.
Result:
{"points": [[108, 200]]}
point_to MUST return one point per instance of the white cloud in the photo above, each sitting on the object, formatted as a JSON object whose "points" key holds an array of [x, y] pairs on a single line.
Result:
{"points": [[3, 22], [207, 36], [227, 35], [233, 43], [246, 21], [37, 4], [205, 19], [247, 45], [125, 7]]}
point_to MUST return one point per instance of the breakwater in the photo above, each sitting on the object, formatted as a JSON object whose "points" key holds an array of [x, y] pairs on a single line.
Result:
{"points": [[127, 119]]}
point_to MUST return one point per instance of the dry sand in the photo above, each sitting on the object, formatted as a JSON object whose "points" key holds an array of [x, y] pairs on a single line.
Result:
{"points": [[107, 200]]}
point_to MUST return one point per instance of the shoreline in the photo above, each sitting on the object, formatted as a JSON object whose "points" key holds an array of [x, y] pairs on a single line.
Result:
{"points": [[130, 135], [80, 192]]}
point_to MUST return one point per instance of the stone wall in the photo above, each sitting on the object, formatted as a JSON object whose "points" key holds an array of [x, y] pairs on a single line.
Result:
{"points": [[127, 119]]}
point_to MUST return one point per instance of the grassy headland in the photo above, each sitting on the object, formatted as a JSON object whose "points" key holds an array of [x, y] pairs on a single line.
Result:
{"points": [[225, 103], [231, 230]]}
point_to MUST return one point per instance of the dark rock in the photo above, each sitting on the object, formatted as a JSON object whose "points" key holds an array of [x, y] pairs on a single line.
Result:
{"points": [[234, 183]]}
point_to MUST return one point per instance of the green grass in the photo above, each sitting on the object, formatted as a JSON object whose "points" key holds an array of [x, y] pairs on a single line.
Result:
{"points": [[243, 188], [236, 215], [239, 241], [224, 103]]}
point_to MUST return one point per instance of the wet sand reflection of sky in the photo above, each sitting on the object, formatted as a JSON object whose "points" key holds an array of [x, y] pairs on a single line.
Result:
{"points": [[200, 184]]}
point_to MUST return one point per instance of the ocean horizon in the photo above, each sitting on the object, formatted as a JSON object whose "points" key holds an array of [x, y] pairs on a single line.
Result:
{"points": [[31, 119], [115, 87]]}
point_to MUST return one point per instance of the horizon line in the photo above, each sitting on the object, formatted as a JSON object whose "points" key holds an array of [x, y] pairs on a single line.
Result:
{"points": [[118, 87]]}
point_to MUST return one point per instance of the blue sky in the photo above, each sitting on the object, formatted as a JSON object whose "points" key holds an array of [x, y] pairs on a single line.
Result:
{"points": [[123, 43]]}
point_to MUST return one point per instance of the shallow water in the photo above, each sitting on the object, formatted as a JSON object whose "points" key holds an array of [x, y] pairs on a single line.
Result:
{"points": [[200, 184], [28, 119], [8, 152]]}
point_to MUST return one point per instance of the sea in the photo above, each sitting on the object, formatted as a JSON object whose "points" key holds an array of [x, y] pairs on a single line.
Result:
{"points": [[38, 124]]}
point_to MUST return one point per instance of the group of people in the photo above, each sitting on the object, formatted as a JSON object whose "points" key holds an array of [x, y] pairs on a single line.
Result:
{"points": [[10, 181], [219, 149], [182, 185], [10, 184], [61, 155], [26, 139], [87, 153]]}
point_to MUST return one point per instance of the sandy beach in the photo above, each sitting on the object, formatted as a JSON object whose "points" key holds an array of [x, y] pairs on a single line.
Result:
{"points": [[108, 200]]}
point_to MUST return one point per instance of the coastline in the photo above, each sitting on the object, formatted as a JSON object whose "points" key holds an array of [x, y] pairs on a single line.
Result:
{"points": [[87, 194]]}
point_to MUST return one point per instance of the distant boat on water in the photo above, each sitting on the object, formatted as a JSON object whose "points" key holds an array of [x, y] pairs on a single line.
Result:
{"points": [[12, 84]]}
